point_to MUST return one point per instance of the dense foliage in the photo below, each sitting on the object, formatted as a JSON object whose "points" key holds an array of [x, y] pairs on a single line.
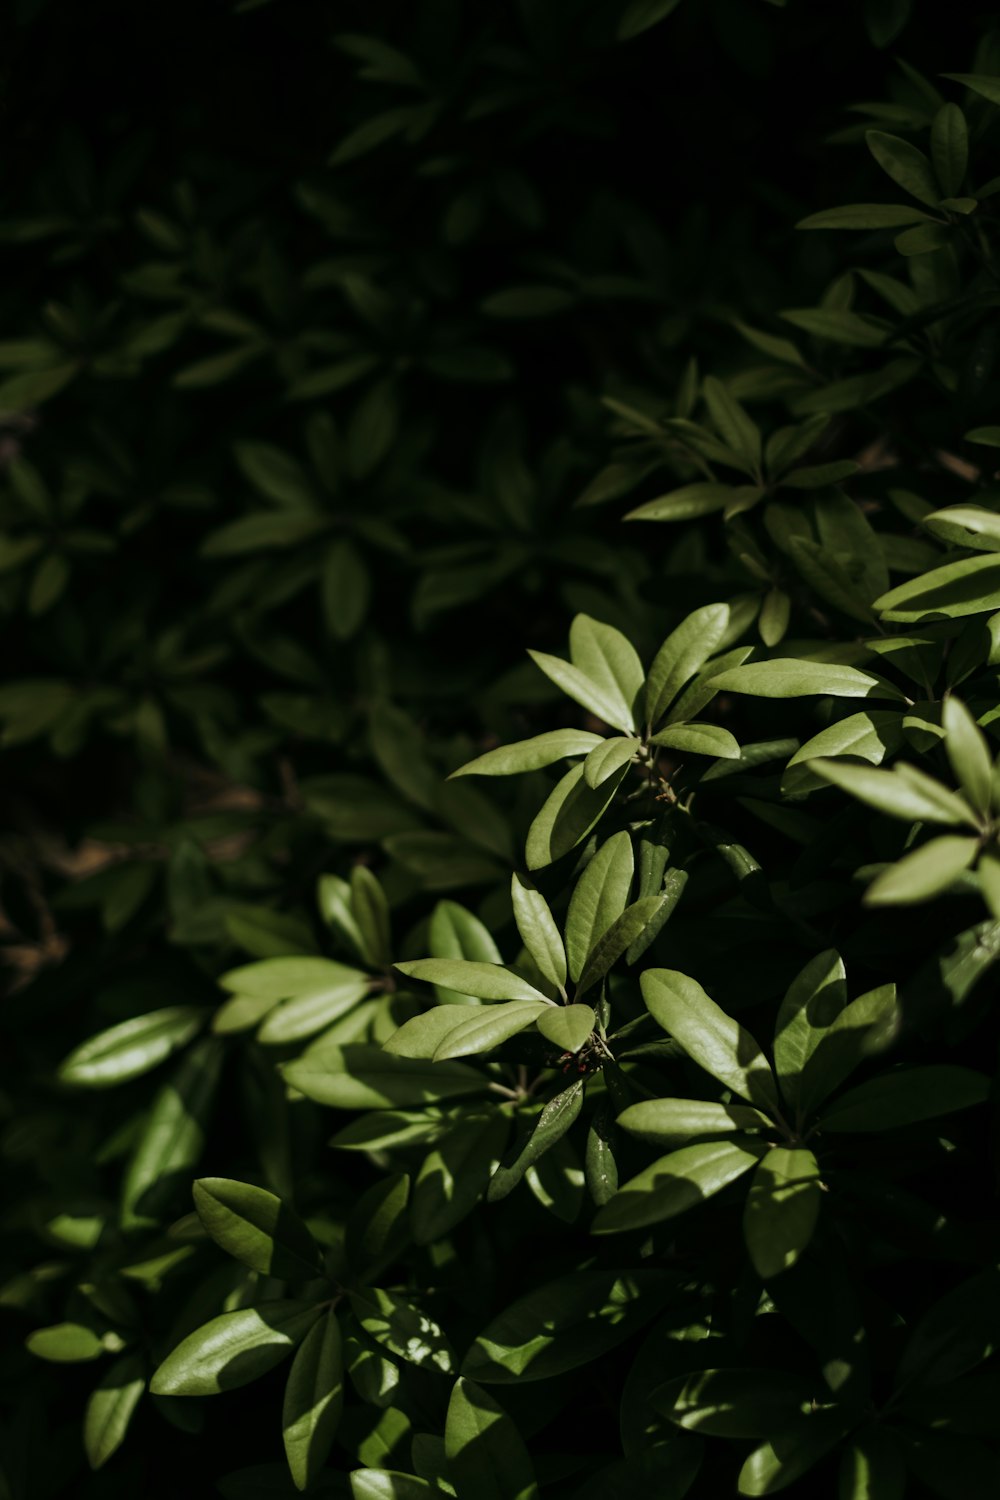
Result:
{"points": [[500, 558]]}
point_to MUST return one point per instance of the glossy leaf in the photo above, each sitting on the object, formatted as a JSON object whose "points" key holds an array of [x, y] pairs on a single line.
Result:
{"points": [[313, 1400], [486, 1455], [531, 755], [714, 1040], [486, 981], [360, 1076], [677, 1183], [734, 1403], [256, 1228], [111, 1407], [571, 811], [670, 1122], [538, 930], [130, 1049], [565, 1324], [599, 899], [682, 654], [234, 1349], [781, 1210]]}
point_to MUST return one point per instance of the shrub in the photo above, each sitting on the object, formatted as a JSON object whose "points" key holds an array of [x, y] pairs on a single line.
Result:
{"points": [[389, 1005]]}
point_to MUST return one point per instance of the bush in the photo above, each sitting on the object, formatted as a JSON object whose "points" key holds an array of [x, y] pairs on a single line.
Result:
{"points": [[347, 1074]]}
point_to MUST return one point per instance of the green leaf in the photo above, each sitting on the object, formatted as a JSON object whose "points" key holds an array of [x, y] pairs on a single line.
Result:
{"points": [[455, 1174], [583, 690], [110, 1409], [871, 1467], [983, 84], [988, 436], [364, 1077], [733, 425], [864, 216], [538, 930], [906, 165], [403, 1329], [607, 758], [313, 1401], [670, 1122], [556, 1181], [531, 755], [371, 911], [486, 1455], [376, 1230], [968, 587], [682, 654], [950, 149], [968, 754], [263, 530], [781, 1209], [608, 659], [775, 612], [923, 873], [817, 476], [812, 1003], [487, 1028], [831, 578], [838, 326], [871, 735], [256, 1228], [565, 1324], [234, 1349], [685, 504], [599, 898], [620, 936], [421, 1036], [388, 1484], [552, 1124], [788, 678], [733, 1403], [677, 1183], [455, 933], [902, 1098], [966, 526], [65, 1343], [567, 816], [784, 1458], [905, 792], [957, 1332], [714, 1040], [699, 739], [639, 15], [862, 1029], [529, 301], [925, 239], [131, 1048], [173, 1136], [486, 981], [567, 1026], [292, 1020], [279, 978], [275, 474]]}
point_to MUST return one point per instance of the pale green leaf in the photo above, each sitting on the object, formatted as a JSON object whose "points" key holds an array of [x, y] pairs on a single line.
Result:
{"points": [[531, 755], [599, 898], [923, 873], [538, 930], [682, 654]]}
